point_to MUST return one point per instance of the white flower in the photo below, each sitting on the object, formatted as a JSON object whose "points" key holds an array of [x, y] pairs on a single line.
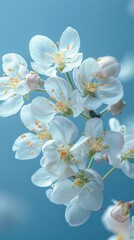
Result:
{"points": [[113, 225], [29, 145], [66, 101], [87, 185], [96, 89], [122, 160], [47, 56], [57, 157], [98, 141], [109, 66], [13, 85]]}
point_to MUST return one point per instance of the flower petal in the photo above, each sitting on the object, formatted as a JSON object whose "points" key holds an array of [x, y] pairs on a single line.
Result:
{"points": [[76, 103], [43, 109], [75, 215], [92, 103], [70, 42], [110, 91], [41, 49], [43, 69], [94, 128], [43, 178], [27, 146], [11, 106], [70, 64], [128, 169], [58, 88], [63, 130]]}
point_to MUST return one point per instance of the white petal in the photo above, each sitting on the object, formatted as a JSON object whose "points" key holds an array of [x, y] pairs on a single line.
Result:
{"points": [[11, 106], [114, 141], [91, 197], [110, 91], [70, 64], [88, 69], [41, 49], [128, 168], [63, 192], [94, 128], [63, 130], [75, 215], [27, 146], [114, 124], [30, 121], [70, 42], [43, 178], [43, 109], [92, 103], [78, 81], [43, 69], [5, 90], [58, 88], [76, 103], [12, 63]]}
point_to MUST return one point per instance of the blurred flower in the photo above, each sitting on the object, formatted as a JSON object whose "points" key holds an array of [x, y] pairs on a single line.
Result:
{"points": [[116, 108], [109, 66], [130, 7], [127, 68]]}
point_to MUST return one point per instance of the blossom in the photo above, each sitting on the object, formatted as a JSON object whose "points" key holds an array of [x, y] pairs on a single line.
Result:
{"points": [[48, 57], [29, 145], [13, 85], [66, 101], [94, 87], [122, 159], [96, 140], [57, 157], [86, 185], [124, 230]]}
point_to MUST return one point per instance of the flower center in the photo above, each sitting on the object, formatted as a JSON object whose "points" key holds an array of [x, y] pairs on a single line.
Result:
{"points": [[92, 87], [13, 82], [120, 237], [58, 59], [128, 155], [96, 145], [61, 107], [43, 135]]}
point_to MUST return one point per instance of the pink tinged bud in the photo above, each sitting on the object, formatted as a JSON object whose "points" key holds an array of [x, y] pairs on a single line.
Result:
{"points": [[120, 212], [109, 66], [33, 81], [117, 107]]}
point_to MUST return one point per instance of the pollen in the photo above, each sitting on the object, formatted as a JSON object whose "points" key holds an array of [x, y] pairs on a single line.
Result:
{"points": [[29, 143], [23, 136], [58, 58], [32, 153], [61, 107], [92, 87], [79, 182], [96, 145], [63, 153], [120, 237], [10, 69]]}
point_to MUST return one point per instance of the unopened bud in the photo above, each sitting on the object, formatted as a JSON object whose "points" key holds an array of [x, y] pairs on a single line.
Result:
{"points": [[33, 81], [116, 108], [120, 212], [109, 67]]}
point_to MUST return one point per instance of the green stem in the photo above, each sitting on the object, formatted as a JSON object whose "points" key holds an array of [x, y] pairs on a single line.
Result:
{"points": [[39, 90], [91, 162], [83, 115], [108, 173], [69, 79]]}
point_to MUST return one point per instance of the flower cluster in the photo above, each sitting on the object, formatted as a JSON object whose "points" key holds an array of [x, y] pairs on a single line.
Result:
{"points": [[67, 158]]}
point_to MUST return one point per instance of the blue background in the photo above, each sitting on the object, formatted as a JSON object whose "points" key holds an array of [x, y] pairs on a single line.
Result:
{"points": [[105, 28]]}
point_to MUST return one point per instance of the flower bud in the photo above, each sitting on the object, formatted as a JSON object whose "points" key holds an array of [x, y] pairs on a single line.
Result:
{"points": [[120, 212], [109, 67], [33, 81], [116, 108]]}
